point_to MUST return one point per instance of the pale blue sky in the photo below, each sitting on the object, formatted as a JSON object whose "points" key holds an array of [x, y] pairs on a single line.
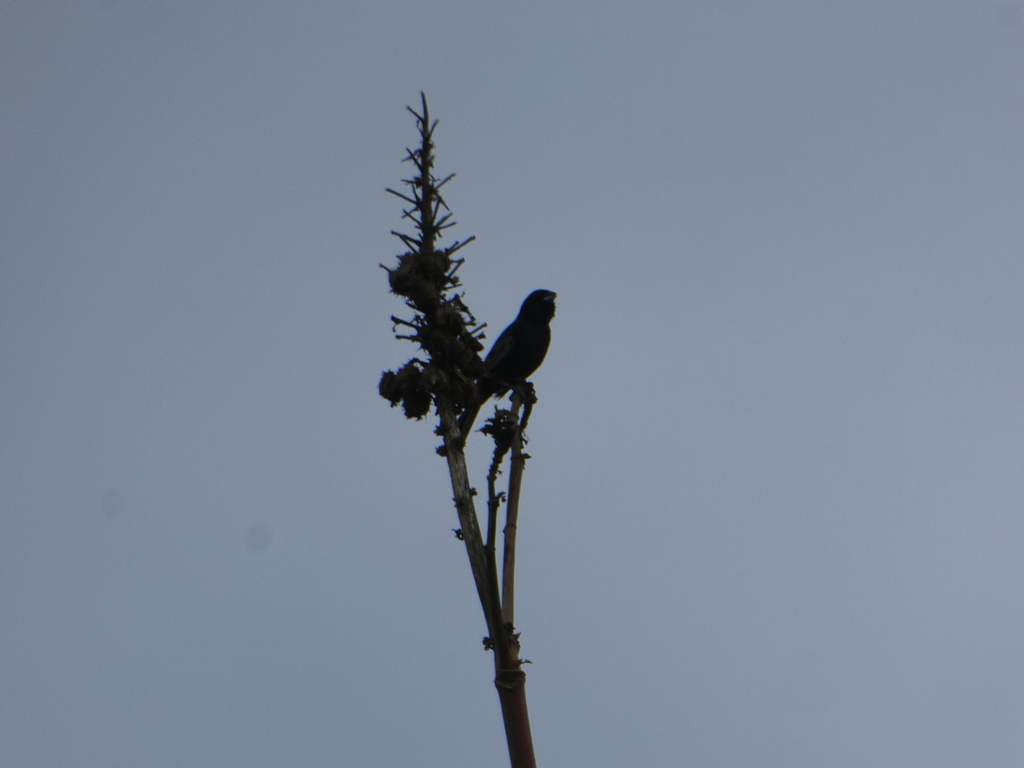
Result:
{"points": [[774, 514]]}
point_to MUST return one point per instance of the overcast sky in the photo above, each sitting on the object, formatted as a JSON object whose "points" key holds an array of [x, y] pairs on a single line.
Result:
{"points": [[774, 512]]}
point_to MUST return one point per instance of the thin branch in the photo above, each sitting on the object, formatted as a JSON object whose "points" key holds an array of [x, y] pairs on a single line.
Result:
{"points": [[499, 427], [515, 482], [399, 194], [457, 245], [410, 242], [400, 321]]}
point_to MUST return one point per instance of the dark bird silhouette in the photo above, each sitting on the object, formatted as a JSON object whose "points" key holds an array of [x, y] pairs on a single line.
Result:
{"points": [[516, 354]]}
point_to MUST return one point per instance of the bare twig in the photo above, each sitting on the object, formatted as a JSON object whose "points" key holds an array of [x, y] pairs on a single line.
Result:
{"points": [[515, 483], [500, 428]]}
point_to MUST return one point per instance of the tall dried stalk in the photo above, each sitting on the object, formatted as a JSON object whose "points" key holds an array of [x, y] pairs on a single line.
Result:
{"points": [[449, 335]]}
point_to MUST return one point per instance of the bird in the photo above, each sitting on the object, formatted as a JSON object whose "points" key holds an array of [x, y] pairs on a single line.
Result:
{"points": [[518, 352]]}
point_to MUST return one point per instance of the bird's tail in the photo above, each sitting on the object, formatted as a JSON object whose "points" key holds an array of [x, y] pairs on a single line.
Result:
{"points": [[466, 420]]}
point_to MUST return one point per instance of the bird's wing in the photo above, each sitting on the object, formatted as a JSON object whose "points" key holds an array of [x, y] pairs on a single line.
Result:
{"points": [[500, 349]]}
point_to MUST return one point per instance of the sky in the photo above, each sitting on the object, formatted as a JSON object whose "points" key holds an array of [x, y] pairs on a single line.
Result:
{"points": [[773, 515]]}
